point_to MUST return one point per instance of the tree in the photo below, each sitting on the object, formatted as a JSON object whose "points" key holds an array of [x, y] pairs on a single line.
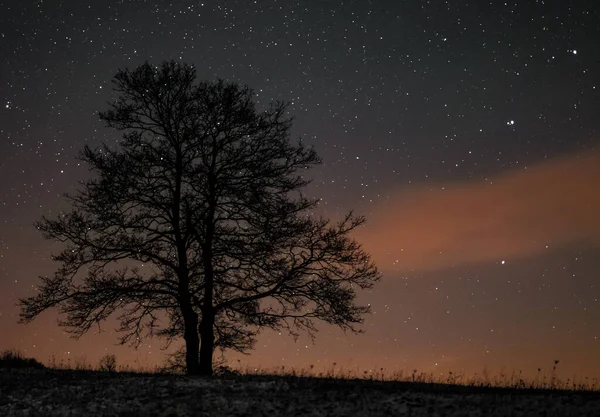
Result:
{"points": [[195, 224]]}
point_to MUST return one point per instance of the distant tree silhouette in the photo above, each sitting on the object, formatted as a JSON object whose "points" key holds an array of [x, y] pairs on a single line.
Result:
{"points": [[198, 213]]}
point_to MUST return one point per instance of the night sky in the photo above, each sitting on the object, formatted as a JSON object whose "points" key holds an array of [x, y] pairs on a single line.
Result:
{"points": [[468, 135]]}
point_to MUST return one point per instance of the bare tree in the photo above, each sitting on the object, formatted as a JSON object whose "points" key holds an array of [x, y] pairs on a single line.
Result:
{"points": [[195, 225]]}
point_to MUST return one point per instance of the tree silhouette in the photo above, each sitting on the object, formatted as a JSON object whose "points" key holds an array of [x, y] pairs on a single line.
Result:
{"points": [[195, 225]]}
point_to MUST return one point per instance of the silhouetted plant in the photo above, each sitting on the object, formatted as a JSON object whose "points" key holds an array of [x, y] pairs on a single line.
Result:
{"points": [[226, 371], [14, 359], [199, 213], [108, 363], [553, 380]]}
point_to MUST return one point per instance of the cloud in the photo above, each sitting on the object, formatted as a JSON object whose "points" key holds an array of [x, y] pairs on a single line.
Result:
{"points": [[519, 213]]}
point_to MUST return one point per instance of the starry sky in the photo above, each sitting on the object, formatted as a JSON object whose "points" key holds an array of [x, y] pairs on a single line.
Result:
{"points": [[466, 132]]}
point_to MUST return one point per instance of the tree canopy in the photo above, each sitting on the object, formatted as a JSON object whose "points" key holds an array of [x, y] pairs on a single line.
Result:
{"points": [[195, 225]]}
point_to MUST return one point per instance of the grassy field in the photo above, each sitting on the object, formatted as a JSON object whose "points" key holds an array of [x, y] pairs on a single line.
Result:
{"points": [[38, 391]]}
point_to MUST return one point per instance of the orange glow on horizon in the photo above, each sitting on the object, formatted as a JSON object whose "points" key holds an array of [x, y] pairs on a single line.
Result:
{"points": [[516, 214], [420, 232]]}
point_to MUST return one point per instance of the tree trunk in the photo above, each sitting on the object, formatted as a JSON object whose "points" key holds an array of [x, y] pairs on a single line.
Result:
{"points": [[207, 346], [206, 329], [192, 342]]}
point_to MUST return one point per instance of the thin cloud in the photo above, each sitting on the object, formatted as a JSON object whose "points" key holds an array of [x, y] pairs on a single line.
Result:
{"points": [[519, 213]]}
